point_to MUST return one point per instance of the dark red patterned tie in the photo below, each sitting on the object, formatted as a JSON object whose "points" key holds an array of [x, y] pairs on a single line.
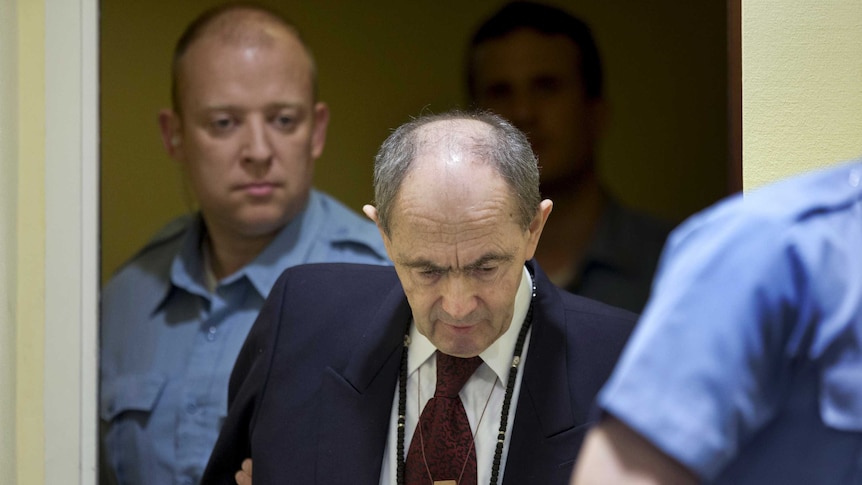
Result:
{"points": [[444, 431]]}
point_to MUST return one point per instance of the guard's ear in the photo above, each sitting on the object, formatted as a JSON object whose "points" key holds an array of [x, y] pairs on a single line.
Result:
{"points": [[170, 128], [320, 127]]}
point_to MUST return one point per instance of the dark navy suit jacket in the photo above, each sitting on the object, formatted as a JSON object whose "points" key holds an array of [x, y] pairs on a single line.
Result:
{"points": [[311, 392]]}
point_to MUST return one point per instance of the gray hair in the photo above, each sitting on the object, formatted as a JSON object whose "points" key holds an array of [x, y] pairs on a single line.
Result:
{"points": [[506, 149]]}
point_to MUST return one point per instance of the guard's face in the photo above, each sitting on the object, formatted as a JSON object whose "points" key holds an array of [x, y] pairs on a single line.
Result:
{"points": [[248, 134]]}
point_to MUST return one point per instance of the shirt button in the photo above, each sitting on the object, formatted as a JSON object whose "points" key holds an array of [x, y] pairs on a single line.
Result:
{"points": [[211, 334], [191, 408]]}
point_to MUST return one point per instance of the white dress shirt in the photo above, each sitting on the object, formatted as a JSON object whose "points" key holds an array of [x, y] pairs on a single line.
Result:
{"points": [[486, 385]]}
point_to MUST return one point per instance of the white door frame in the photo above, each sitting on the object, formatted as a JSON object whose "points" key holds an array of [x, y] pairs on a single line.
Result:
{"points": [[72, 244]]}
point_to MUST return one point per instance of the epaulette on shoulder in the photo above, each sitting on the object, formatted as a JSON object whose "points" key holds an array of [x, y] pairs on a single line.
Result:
{"points": [[153, 252], [171, 231]]}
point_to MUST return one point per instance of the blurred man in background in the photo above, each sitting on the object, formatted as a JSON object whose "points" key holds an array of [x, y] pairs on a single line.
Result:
{"points": [[539, 67]]}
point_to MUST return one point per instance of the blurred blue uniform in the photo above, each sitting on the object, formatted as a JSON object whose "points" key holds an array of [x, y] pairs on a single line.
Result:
{"points": [[746, 366]]}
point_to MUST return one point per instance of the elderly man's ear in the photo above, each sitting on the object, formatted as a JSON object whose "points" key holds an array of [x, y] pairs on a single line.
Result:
{"points": [[371, 212], [536, 226]]}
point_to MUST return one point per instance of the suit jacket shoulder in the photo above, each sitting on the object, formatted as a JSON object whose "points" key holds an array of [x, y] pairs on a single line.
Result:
{"points": [[329, 333], [312, 390]]}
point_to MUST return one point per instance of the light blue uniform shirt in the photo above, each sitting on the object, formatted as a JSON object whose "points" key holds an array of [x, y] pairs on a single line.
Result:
{"points": [[168, 345], [746, 365]]}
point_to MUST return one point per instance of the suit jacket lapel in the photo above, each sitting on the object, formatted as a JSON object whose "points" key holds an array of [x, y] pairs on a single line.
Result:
{"points": [[356, 403], [544, 405]]}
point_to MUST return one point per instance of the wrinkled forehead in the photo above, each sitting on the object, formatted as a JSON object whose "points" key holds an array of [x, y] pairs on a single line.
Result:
{"points": [[450, 156], [451, 174]]}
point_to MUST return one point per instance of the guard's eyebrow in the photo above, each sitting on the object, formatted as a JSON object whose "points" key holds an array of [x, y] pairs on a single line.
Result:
{"points": [[276, 106]]}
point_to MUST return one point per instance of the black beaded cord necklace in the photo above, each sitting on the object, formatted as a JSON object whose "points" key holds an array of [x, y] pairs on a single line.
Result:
{"points": [[507, 400]]}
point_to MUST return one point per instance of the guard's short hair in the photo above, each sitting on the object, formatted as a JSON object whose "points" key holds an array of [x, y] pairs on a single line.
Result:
{"points": [[210, 17]]}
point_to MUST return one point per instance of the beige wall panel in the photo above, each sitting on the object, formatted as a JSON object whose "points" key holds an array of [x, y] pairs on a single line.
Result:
{"points": [[802, 86]]}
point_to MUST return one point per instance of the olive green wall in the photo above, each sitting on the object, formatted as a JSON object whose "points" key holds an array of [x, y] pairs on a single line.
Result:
{"points": [[382, 61]]}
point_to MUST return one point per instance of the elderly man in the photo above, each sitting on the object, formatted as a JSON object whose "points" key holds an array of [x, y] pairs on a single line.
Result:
{"points": [[245, 129], [538, 66], [348, 375]]}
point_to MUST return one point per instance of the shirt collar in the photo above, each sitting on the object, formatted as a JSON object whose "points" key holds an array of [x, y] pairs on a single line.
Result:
{"points": [[187, 266], [498, 356], [289, 248]]}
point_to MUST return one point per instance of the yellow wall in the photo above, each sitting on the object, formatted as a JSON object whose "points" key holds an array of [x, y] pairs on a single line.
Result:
{"points": [[383, 61], [8, 207], [802, 86], [30, 229]]}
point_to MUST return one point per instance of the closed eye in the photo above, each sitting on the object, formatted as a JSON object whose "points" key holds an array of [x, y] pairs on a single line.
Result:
{"points": [[430, 273], [484, 272]]}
